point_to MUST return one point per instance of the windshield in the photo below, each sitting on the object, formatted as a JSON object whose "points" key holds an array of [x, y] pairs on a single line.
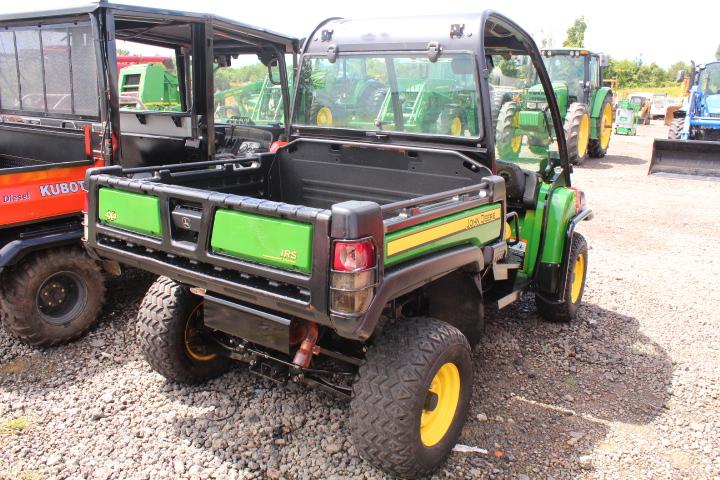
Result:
{"points": [[564, 68], [709, 80], [245, 95], [394, 93]]}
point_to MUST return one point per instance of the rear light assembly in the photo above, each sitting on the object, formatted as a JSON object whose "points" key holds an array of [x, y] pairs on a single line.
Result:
{"points": [[353, 276], [579, 200]]}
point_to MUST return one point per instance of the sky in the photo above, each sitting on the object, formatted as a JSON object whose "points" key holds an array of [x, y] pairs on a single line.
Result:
{"points": [[633, 29]]}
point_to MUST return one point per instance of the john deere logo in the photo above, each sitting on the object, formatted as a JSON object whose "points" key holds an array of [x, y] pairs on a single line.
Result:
{"points": [[185, 222], [110, 216], [288, 255]]}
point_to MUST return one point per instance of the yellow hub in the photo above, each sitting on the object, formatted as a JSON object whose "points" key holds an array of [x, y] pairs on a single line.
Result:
{"points": [[445, 389], [324, 117], [577, 279], [192, 337], [606, 127], [456, 127], [583, 136]]}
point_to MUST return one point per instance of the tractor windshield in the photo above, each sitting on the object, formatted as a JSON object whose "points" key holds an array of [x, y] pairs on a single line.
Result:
{"points": [[709, 79], [394, 93], [568, 69]]}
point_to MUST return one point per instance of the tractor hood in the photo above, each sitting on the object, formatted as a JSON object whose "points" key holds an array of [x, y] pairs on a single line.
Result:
{"points": [[536, 93], [712, 104]]}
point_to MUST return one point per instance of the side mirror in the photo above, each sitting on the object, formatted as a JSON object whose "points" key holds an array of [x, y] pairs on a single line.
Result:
{"points": [[680, 76], [604, 60], [274, 71]]}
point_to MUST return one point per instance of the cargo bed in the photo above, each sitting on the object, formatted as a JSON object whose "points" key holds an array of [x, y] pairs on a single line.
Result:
{"points": [[258, 229]]}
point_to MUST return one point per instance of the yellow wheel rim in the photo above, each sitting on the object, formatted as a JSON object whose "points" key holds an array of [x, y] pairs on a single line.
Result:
{"points": [[516, 142], [435, 423], [191, 337], [583, 136], [324, 117], [577, 280], [606, 127], [456, 127]]}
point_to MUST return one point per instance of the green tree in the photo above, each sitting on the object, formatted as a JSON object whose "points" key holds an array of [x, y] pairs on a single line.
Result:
{"points": [[123, 52], [576, 34], [676, 67]]}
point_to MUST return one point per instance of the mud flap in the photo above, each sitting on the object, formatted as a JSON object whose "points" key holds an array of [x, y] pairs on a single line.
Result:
{"points": [[685, 157]]}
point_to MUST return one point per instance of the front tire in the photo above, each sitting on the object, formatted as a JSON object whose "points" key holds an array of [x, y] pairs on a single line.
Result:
{"points": [[598, 147], [577, 132], [52, 296], [508, 140], [169, 329], [574, 285], [676, 128], [412, 395]]}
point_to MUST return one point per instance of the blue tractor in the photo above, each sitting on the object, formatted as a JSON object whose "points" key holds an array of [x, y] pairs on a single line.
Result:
{"points": [[693, 144]]}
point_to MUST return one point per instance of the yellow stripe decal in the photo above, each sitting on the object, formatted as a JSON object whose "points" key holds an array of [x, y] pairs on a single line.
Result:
{"points": [[431, 234]]}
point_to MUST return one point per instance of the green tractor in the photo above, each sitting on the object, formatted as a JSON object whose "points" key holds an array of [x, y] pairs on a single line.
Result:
{"points": [[149, 86], [425, 97], [585, 106]]}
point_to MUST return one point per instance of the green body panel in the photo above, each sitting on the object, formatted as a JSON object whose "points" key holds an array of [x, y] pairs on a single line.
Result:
{"points": [[561, 212], [469, 233], [597, 98], [150, 83], [272, 241], [130, 211], [533, 120]]}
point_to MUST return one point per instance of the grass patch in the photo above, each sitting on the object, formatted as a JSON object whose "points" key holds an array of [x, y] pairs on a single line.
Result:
{"points": [[14, 426]]}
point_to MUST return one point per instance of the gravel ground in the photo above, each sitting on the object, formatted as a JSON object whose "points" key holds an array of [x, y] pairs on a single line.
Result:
{"points": [[630, 390]]}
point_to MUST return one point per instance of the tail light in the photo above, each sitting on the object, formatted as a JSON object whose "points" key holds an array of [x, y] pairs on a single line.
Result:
{"points": [[353, 276], [88, 141], [579, 200]]}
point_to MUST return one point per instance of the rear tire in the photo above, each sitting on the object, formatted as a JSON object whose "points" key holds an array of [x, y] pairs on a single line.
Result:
{"points": [[52, 296], [392, 396], [577, 132], [676, 128], [574, 286], [169, 330]]}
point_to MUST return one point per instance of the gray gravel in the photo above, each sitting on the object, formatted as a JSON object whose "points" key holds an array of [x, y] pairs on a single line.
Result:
{"points": [[630, 390]]}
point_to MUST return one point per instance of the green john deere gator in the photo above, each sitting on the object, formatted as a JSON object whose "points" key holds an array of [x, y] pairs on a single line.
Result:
{"points": [[585, 106], [358, 255]]}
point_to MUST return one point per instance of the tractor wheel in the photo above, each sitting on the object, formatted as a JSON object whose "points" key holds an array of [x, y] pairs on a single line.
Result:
{"points": [[412, 396], [574, 286], [452, 121], [170, 332], [508, 142], [52, 296], [676, 128], [538, 146], [577, 132], [599, 146]]}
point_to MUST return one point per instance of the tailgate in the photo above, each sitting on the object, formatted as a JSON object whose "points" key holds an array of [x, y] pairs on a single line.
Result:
{"points": [[252, 249]]}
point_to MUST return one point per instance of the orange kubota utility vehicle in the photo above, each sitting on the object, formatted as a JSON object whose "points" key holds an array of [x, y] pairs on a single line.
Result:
{"points": [[60, 115]]}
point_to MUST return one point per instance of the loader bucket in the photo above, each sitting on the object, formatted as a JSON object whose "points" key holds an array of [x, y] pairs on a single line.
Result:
{"points": [[685, 157]]}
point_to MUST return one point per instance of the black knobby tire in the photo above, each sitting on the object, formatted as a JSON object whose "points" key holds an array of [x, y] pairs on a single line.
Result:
{"points": [[573, 121], [52, 296], [565, 312], [392, 388], [595, 149], [505, 132], [676, 127], [161, 330]]}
